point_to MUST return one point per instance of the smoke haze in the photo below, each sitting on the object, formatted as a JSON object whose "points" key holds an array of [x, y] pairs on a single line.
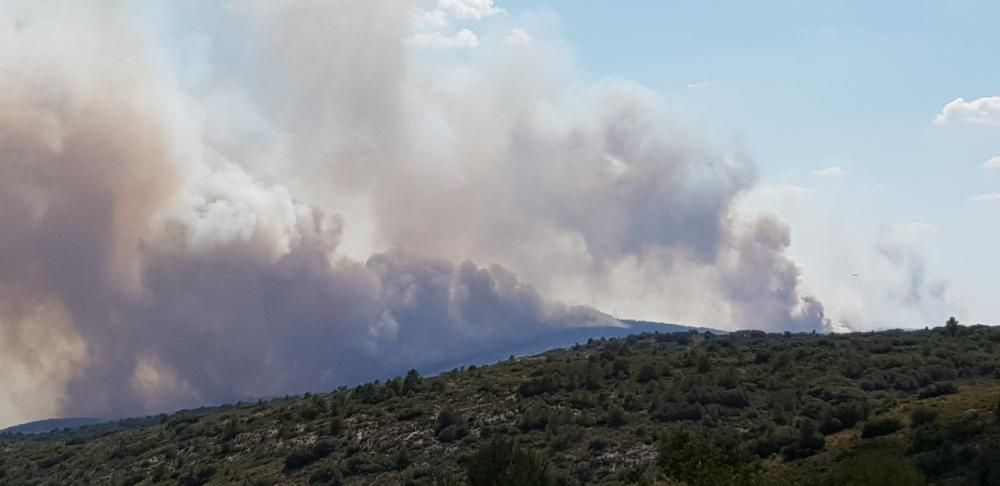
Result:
{"points": [[276, 197]]}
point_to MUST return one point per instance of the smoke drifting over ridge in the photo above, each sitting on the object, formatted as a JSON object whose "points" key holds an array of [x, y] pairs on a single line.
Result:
{"points": [[187, 213]]}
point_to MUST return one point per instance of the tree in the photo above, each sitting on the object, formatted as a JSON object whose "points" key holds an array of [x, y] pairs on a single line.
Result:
{"points": [[411, 382], [952, 326]]}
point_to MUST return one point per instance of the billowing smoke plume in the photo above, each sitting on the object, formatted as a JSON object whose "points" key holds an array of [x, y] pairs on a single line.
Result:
{"points": [[274, 198]]}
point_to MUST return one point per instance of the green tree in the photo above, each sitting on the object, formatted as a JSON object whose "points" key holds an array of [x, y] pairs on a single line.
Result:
{"points": [[952, 326], [411, 382]]}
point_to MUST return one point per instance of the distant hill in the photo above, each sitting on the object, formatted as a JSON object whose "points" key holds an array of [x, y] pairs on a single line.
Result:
{"points": [[49, 425], [744, 408], [560, 338]]}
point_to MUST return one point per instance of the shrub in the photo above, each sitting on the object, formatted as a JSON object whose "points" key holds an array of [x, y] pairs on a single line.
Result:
{"points": [[851, 413], [298, 459], [446, 418], [598, 445], [616, 417], [870, 466], [647, 373], [921, 416], [937, 462], [537, 386], [774, 440], [880, 427], [938, 389], [696, 460], [535, 418], [302, 457], [410, 414], [925, 439], [503, 463], [327, 476], [670, 412], [336, 426], [452, 433]]}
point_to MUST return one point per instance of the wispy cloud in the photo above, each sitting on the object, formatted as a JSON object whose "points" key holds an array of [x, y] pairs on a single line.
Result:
{"points": [[993, 163], [984, 111], [832, 171], [702, 84]]}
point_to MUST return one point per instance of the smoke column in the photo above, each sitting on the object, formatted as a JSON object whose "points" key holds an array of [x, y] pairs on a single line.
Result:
{"points": [[221, 202]]}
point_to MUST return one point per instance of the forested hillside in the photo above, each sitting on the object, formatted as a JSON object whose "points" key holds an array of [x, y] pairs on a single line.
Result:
{"points": [[684, 408]]}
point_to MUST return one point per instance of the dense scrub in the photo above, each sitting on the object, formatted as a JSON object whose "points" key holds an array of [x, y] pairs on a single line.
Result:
{"points": [[695, 409]]}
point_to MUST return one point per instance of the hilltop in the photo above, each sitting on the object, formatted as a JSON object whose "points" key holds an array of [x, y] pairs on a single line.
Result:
{"points": [[689, 408]]}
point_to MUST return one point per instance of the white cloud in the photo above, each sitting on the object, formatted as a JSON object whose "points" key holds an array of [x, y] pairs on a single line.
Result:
{"points": [[990, 197], [518, 37], [832, 171], [993, 163], [428, 19], [984, 110], [469, 9], [437, 40]]}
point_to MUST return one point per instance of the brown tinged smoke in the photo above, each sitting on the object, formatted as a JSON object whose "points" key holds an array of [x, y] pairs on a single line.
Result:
{"points": [[168, 241]]}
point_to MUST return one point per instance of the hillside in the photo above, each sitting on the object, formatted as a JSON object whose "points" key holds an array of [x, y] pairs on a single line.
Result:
{"points": [[684, 408], [49, 425]]}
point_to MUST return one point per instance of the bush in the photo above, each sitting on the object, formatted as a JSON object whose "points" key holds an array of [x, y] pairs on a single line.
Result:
{"points": [[696, 460], [670, 412], [336, 426], [774, 440], [616, 417], [503, 463], [327, 476], [937, 462], [410, 414], [537, 386], [302, 457], [298, 459], [446, 418], [926, 439], [880, 427], [452, 433], [874, 467], [851, 413], [647, 373], [938, 389], [535, 418], [921, 416]]}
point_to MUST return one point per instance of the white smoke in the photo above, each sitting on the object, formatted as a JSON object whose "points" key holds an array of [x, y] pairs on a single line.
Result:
{"points": [[271, 197]]}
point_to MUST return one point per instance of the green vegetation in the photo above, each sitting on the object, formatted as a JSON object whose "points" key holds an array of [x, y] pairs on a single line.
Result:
{"points": [[888, 408]]}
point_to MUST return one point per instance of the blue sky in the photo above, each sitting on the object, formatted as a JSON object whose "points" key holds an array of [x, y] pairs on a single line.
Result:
{"points": [[809, 85]]}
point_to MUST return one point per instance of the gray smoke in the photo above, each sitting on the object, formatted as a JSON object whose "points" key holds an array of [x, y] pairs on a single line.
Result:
{"points": [[268, 198]]}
